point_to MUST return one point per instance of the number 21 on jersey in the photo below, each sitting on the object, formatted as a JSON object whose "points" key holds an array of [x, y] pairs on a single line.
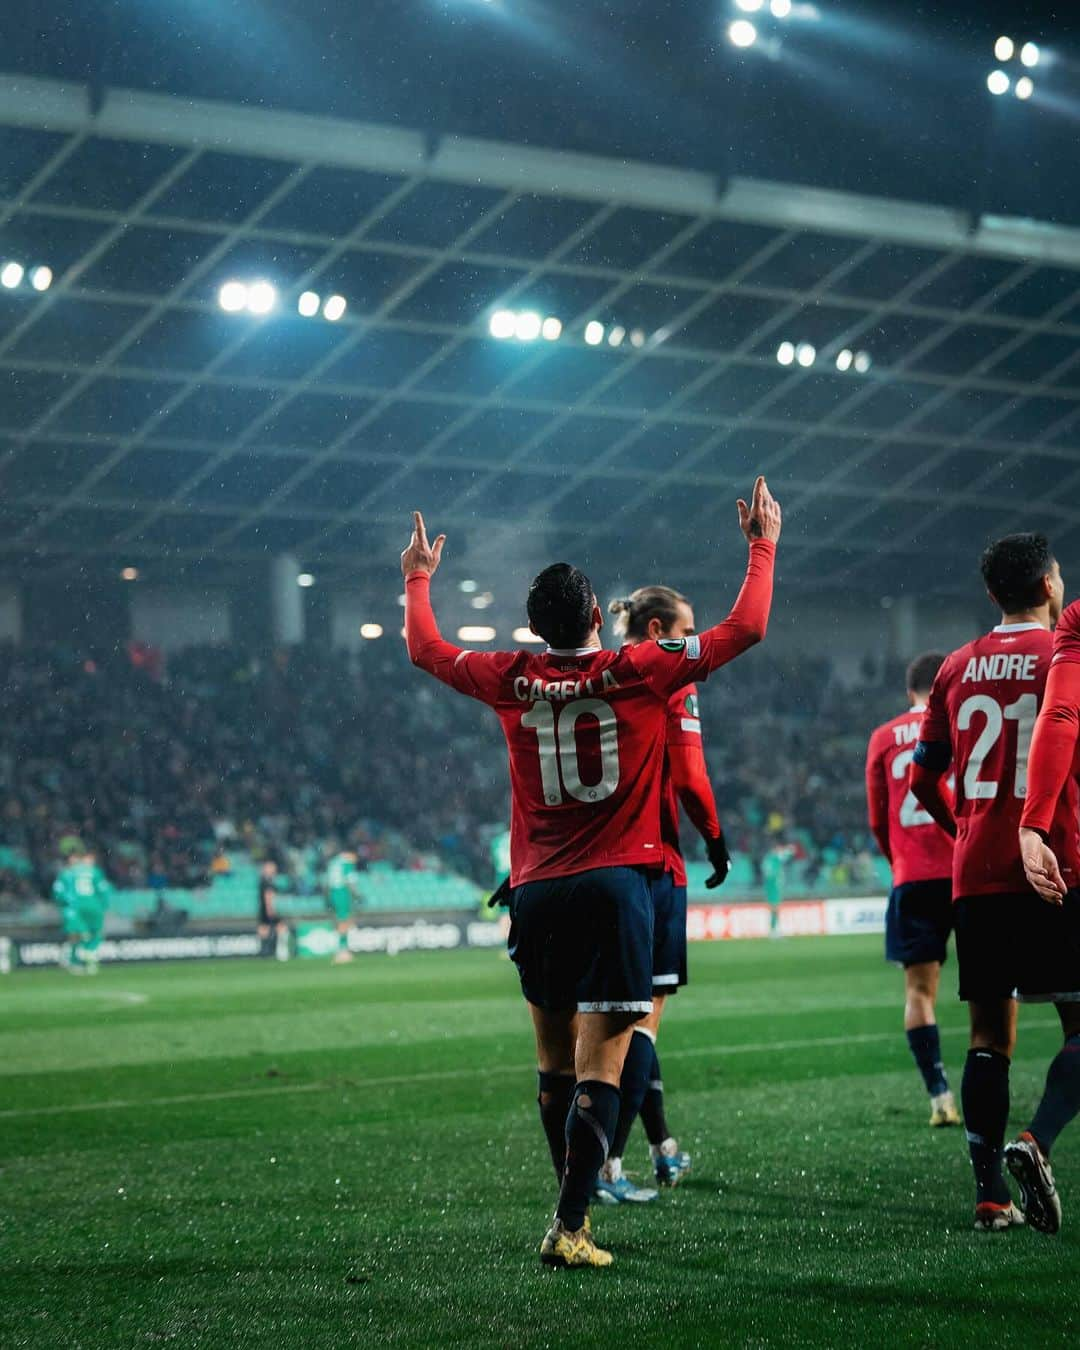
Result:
{"points": [[557, 736]]}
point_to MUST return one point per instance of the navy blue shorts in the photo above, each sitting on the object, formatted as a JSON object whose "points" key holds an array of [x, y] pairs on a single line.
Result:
{"points": [[1018, 944], [669, 934], [918, 922], [585, 941]]}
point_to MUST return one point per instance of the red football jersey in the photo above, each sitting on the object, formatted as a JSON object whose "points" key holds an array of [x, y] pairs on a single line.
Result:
{"points": [[585, 730], [919, 849], [1055, 747], [683, 728], [984, 704]]}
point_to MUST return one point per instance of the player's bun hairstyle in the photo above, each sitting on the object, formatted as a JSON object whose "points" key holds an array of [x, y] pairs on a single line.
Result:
{"points": [[921, 672], [633, 614], [1013, 569], [560, 606]]}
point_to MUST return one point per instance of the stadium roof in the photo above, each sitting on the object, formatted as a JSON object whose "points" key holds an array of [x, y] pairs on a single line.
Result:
{"points": [[140, 421]]}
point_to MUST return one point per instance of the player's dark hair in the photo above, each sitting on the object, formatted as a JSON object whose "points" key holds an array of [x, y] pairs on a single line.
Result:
{"points": [[560, 606], [921, 672], [632, 615], [1013, 569]]}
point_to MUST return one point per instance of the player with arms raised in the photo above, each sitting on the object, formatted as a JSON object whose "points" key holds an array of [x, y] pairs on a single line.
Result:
{"points": [[919, 918], [585, 731], [660, 614], [1052, 771], [980, 718]]}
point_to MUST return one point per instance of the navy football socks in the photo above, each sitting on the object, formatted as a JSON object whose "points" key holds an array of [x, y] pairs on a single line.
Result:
{"points": [[554, 1094], [633, 1085], [590, 1126], [925, 1044], [1061, 1097], [653, 1119], [985, 1094]]}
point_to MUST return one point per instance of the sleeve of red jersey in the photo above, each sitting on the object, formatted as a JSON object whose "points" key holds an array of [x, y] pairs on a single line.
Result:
{"points": [[1053, 746], [477, 674], [933, 755], [686, 757], [667, 666], [877, 796]]}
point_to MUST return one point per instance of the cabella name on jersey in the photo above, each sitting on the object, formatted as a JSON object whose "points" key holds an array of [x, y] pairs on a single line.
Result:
{"points": [[558, 691], [1001, 666]]}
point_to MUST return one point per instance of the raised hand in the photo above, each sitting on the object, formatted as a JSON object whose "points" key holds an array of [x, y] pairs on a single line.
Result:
{"points": [[420, 556], [762, 519], [1041, 867]]}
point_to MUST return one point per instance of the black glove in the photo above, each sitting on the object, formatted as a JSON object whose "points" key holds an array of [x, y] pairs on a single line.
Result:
{"points": [[721, 861], [501, 898]]}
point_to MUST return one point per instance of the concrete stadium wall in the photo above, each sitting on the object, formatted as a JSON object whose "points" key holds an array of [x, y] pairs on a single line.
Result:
{"points": [[171, 617], [10, 614]]}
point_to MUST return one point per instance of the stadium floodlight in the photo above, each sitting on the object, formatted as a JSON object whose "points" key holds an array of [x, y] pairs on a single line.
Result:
{"points": [[261, 297], [305, 580], [334, 308], [41, 278], [742, 33], [129, 574], [308, 304], [233, 297], [1004, 48], [467, 587], [1029, 54], [526, 635], [371, 631], [615, 337], [502, 323], [528, 326], [475, 633], [785, 353], [749, 6], [552, 329], [780, 8], [484, 601], [863, 362], [844, 359], [806, 354], [1025, 87], [998, 82], [11, 274], [594, 333], [637, 338]]}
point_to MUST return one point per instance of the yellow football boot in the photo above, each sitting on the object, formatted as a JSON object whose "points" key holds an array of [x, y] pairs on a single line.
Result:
{"points": [[563, 1246], [943, 1111]]}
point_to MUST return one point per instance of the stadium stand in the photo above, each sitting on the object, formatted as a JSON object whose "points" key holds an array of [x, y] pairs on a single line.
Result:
{"points": [[183, 779]]}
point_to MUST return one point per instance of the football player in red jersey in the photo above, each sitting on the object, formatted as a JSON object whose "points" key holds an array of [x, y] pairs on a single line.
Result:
{"points": [[980, 718], [585, 730], [1052, 769], [919, 918], [653, 614]]}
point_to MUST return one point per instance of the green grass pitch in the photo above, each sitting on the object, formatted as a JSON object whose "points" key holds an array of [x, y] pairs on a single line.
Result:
{"points": [[252, 1154]]}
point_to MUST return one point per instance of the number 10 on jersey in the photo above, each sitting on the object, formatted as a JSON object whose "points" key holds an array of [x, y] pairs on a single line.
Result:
{"points": [[557, 735]]}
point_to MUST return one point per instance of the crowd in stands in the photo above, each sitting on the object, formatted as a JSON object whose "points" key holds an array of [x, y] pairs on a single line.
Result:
{"points": [[164, 768]]}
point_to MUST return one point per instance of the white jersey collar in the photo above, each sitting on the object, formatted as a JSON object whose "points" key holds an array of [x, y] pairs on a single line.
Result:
{"points": [[579, 651], [1017, 627], [917, 708]]}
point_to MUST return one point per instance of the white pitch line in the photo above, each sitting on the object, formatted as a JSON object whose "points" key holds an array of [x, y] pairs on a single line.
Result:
{"points": [[450, 1075]]}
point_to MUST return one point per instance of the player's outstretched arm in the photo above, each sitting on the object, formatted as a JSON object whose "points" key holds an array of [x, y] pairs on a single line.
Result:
{"points": [[667, 666], [419, 562], [690, 778], [476, 674]]}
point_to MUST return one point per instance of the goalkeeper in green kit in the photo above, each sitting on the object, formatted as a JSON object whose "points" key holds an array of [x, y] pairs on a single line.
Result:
{"points": [[82, 891], [342, 893]]}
